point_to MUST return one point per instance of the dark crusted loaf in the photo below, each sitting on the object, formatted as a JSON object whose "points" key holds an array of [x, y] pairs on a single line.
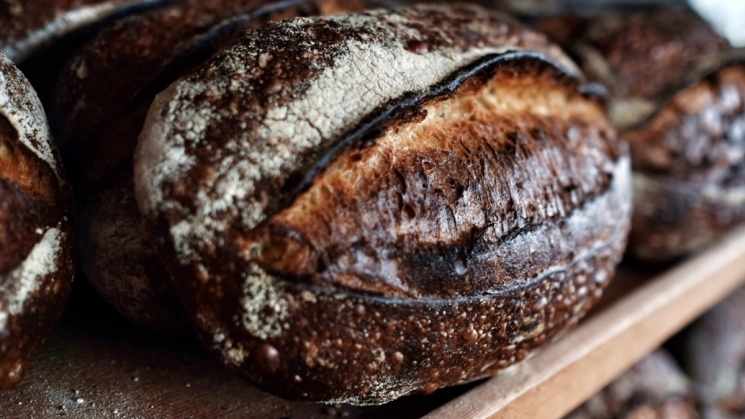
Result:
{"points": [[39, 36], [712, 352], [679, 99], [36, 253], [26, 25], [362, 207], [100, 106]]}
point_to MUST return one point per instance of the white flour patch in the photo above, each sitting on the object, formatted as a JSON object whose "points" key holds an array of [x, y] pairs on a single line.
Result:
{"points": [[265, 306], [381, 389], [24, 281]]}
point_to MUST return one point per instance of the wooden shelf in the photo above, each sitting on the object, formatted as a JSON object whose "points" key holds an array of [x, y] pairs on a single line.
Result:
{"points": [[96, 365]]}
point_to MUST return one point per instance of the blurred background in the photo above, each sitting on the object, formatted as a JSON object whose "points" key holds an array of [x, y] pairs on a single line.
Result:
{"points": [[727, 16]]}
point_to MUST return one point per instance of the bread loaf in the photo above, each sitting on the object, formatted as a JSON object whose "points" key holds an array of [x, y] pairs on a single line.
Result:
{"points": [[100, 106], [41, 35], [36, 253], [678, 97], [27, 25], [361, 207]]}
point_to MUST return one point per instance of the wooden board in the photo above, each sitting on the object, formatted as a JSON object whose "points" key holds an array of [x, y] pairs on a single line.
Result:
{"points": [[96, 365]]}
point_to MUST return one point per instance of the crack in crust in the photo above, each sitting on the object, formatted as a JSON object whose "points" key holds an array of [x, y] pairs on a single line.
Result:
{"points": [[434, 158], [347, 68]]}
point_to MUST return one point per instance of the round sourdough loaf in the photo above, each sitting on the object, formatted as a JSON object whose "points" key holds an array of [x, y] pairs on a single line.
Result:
{"points": [[36, 253], [360, 207]]}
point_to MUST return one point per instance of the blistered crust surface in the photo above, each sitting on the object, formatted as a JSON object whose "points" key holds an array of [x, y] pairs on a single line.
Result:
{"points": [[35, 276]]}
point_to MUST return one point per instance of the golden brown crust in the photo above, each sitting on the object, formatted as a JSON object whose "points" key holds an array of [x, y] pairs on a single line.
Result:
{"points": [[36, 250], [418, 190], [347, 205]]}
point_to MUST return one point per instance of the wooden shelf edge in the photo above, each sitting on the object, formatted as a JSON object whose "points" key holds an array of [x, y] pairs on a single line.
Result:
{"points": [[563, 375]]}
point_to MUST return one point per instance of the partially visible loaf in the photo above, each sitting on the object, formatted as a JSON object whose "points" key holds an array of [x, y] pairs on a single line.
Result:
{"points": [[39, 36], [712, 352], [36, 246], [28, 25], [678, 96]]}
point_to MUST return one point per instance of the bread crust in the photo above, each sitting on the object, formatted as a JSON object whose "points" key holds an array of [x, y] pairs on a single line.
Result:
{"points": [[711, 351], [690, 167], [36, 252], [332, 243]]}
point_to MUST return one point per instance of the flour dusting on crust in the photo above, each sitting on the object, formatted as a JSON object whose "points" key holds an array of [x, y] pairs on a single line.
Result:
{"points": [[24, 281], [221, 147], [261, 291]]}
